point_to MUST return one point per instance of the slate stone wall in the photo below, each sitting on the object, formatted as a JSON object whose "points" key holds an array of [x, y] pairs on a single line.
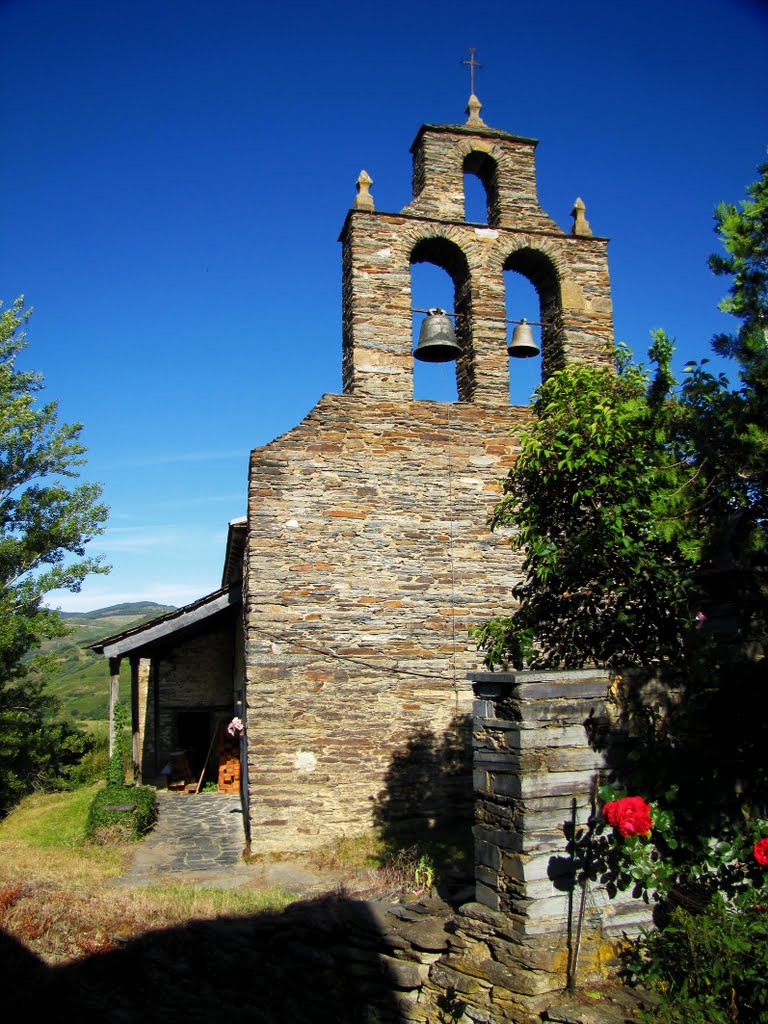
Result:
{"points": [[369, 558], [196, 674], [569, 272], [536, 775], [369, 555]]}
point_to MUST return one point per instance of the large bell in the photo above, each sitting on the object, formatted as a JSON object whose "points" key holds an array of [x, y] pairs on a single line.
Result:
{"points": [[437, 340], [522, 345]]}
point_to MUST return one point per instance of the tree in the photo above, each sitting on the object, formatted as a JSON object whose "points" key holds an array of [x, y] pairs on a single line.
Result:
{"points": [[642, 508], [45, 525], [594, 502]]}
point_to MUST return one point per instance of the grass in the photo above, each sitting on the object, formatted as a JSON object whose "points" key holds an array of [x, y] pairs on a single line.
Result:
{"points": [[55, 892], [43, 839], [410, 861]]}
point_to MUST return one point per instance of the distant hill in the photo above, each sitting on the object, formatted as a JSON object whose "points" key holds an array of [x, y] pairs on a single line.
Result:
{"points": [[81, 679]]}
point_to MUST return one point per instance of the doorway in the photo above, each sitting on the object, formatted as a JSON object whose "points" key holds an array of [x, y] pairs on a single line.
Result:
{"points": [[193, 734]]}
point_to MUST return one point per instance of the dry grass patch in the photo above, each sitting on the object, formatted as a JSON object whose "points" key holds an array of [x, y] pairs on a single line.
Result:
{"points": [[61, 923], [57, 892]]}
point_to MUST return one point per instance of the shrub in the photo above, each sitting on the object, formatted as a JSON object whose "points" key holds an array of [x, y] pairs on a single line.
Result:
{"points": [[106, 824], [93, 764], [709, 968]]}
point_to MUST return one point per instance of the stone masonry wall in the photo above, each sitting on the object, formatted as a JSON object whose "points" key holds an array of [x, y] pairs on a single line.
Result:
{"points": [[368, 552], [569, 272], [197, 674]]}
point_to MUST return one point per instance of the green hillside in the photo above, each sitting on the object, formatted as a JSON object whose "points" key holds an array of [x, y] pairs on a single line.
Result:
{"points": [[81, 679]]}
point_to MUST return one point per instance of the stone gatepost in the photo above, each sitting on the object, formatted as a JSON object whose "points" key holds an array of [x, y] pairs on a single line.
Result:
{"points": [[536, 776]]}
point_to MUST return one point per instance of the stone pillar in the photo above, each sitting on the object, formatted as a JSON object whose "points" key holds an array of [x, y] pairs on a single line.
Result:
{"points": [[535, 779]]}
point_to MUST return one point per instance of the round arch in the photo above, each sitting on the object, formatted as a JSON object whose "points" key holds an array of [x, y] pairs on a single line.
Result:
{"points": [[540, 268]]}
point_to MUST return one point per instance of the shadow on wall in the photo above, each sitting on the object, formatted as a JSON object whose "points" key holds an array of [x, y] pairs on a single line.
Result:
{"points": [[316, 962], [428, 799]]}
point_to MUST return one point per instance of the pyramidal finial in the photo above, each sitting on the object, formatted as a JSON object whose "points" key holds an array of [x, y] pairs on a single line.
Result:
{"points": [[474, 106], [364, 199], [580, 222]]}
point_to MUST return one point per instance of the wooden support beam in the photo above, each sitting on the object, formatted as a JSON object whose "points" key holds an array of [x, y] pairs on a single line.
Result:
{"points": [[114, 696], [135, 734]]}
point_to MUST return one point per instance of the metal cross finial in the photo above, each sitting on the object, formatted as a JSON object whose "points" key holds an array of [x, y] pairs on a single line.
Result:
{"points": [[472, 65]]}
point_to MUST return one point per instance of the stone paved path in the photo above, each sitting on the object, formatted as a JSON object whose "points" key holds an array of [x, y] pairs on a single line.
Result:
{"points": [[198, 838]]}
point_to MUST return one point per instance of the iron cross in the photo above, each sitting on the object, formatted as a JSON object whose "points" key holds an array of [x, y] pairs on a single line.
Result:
{"points": [[472, 65]]}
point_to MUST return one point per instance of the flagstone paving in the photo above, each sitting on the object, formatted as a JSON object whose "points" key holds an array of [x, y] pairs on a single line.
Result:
{"points": [[199, 840]]}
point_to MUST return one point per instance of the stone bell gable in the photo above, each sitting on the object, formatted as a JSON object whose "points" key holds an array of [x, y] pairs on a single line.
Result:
{"points": [[368, 554], [569, 271]]}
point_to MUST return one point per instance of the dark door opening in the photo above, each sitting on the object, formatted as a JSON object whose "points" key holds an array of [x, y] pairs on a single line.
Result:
{"points": [[193, 731]]}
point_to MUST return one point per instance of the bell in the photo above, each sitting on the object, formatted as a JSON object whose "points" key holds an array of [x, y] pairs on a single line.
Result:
{"points": [[437, 341], [522, 345]]}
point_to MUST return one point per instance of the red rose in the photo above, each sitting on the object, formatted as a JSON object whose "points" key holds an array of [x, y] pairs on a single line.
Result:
{"points": [[760, 850], [632, 816]]}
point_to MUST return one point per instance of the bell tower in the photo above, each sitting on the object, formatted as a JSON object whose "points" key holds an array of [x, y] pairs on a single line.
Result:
{"points": [[568, 271], [369, 557]]}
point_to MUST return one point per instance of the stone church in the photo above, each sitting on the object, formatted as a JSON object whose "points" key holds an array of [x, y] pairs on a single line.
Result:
{"points": [[339, 635]]}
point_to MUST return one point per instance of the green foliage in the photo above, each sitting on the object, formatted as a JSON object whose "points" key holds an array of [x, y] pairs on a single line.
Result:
{"points": [[593, 502], [105, 824], [642, 507], [45, 523], [92, 767], [671, 864], [710, 967], [424, 873], [37, 752], [75, 675], [116, 766]]}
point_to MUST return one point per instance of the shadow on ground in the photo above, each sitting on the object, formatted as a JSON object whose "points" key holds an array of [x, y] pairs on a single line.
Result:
{"points": [[318, 961]]}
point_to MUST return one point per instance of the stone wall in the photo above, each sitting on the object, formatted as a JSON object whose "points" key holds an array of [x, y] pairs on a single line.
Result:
{"points": [[569, 272], [195, 674], [369, 557], [368, 554]]}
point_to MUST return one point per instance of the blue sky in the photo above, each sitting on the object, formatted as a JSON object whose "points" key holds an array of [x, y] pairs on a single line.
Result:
{"points": [[175, 175]]}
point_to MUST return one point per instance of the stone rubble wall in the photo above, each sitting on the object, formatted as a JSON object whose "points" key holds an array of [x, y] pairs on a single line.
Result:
{"points": [[376, 301], [569, 272], [416, 961], [196, 674], [368, 552]]}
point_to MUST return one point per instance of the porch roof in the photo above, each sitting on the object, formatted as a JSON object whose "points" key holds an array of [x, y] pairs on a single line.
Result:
{"points": [[150, 634]]}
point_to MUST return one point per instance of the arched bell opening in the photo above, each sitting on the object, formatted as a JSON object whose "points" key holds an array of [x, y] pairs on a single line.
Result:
{"points": [[439, 279], [532, 292], [481, 189], [523, 340]]}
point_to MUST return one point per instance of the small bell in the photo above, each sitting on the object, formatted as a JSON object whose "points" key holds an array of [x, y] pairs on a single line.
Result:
{"points": [[522, 345], [437, 340]]}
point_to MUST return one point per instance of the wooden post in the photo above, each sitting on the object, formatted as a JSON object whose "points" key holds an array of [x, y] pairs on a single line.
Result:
{"points": [[114, 696], [135, 735]]}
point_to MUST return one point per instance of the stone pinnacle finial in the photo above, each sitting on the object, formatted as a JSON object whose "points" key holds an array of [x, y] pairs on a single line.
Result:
{"points": [[364, 199], [474, 106], [580, 222], [473, 110]]}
